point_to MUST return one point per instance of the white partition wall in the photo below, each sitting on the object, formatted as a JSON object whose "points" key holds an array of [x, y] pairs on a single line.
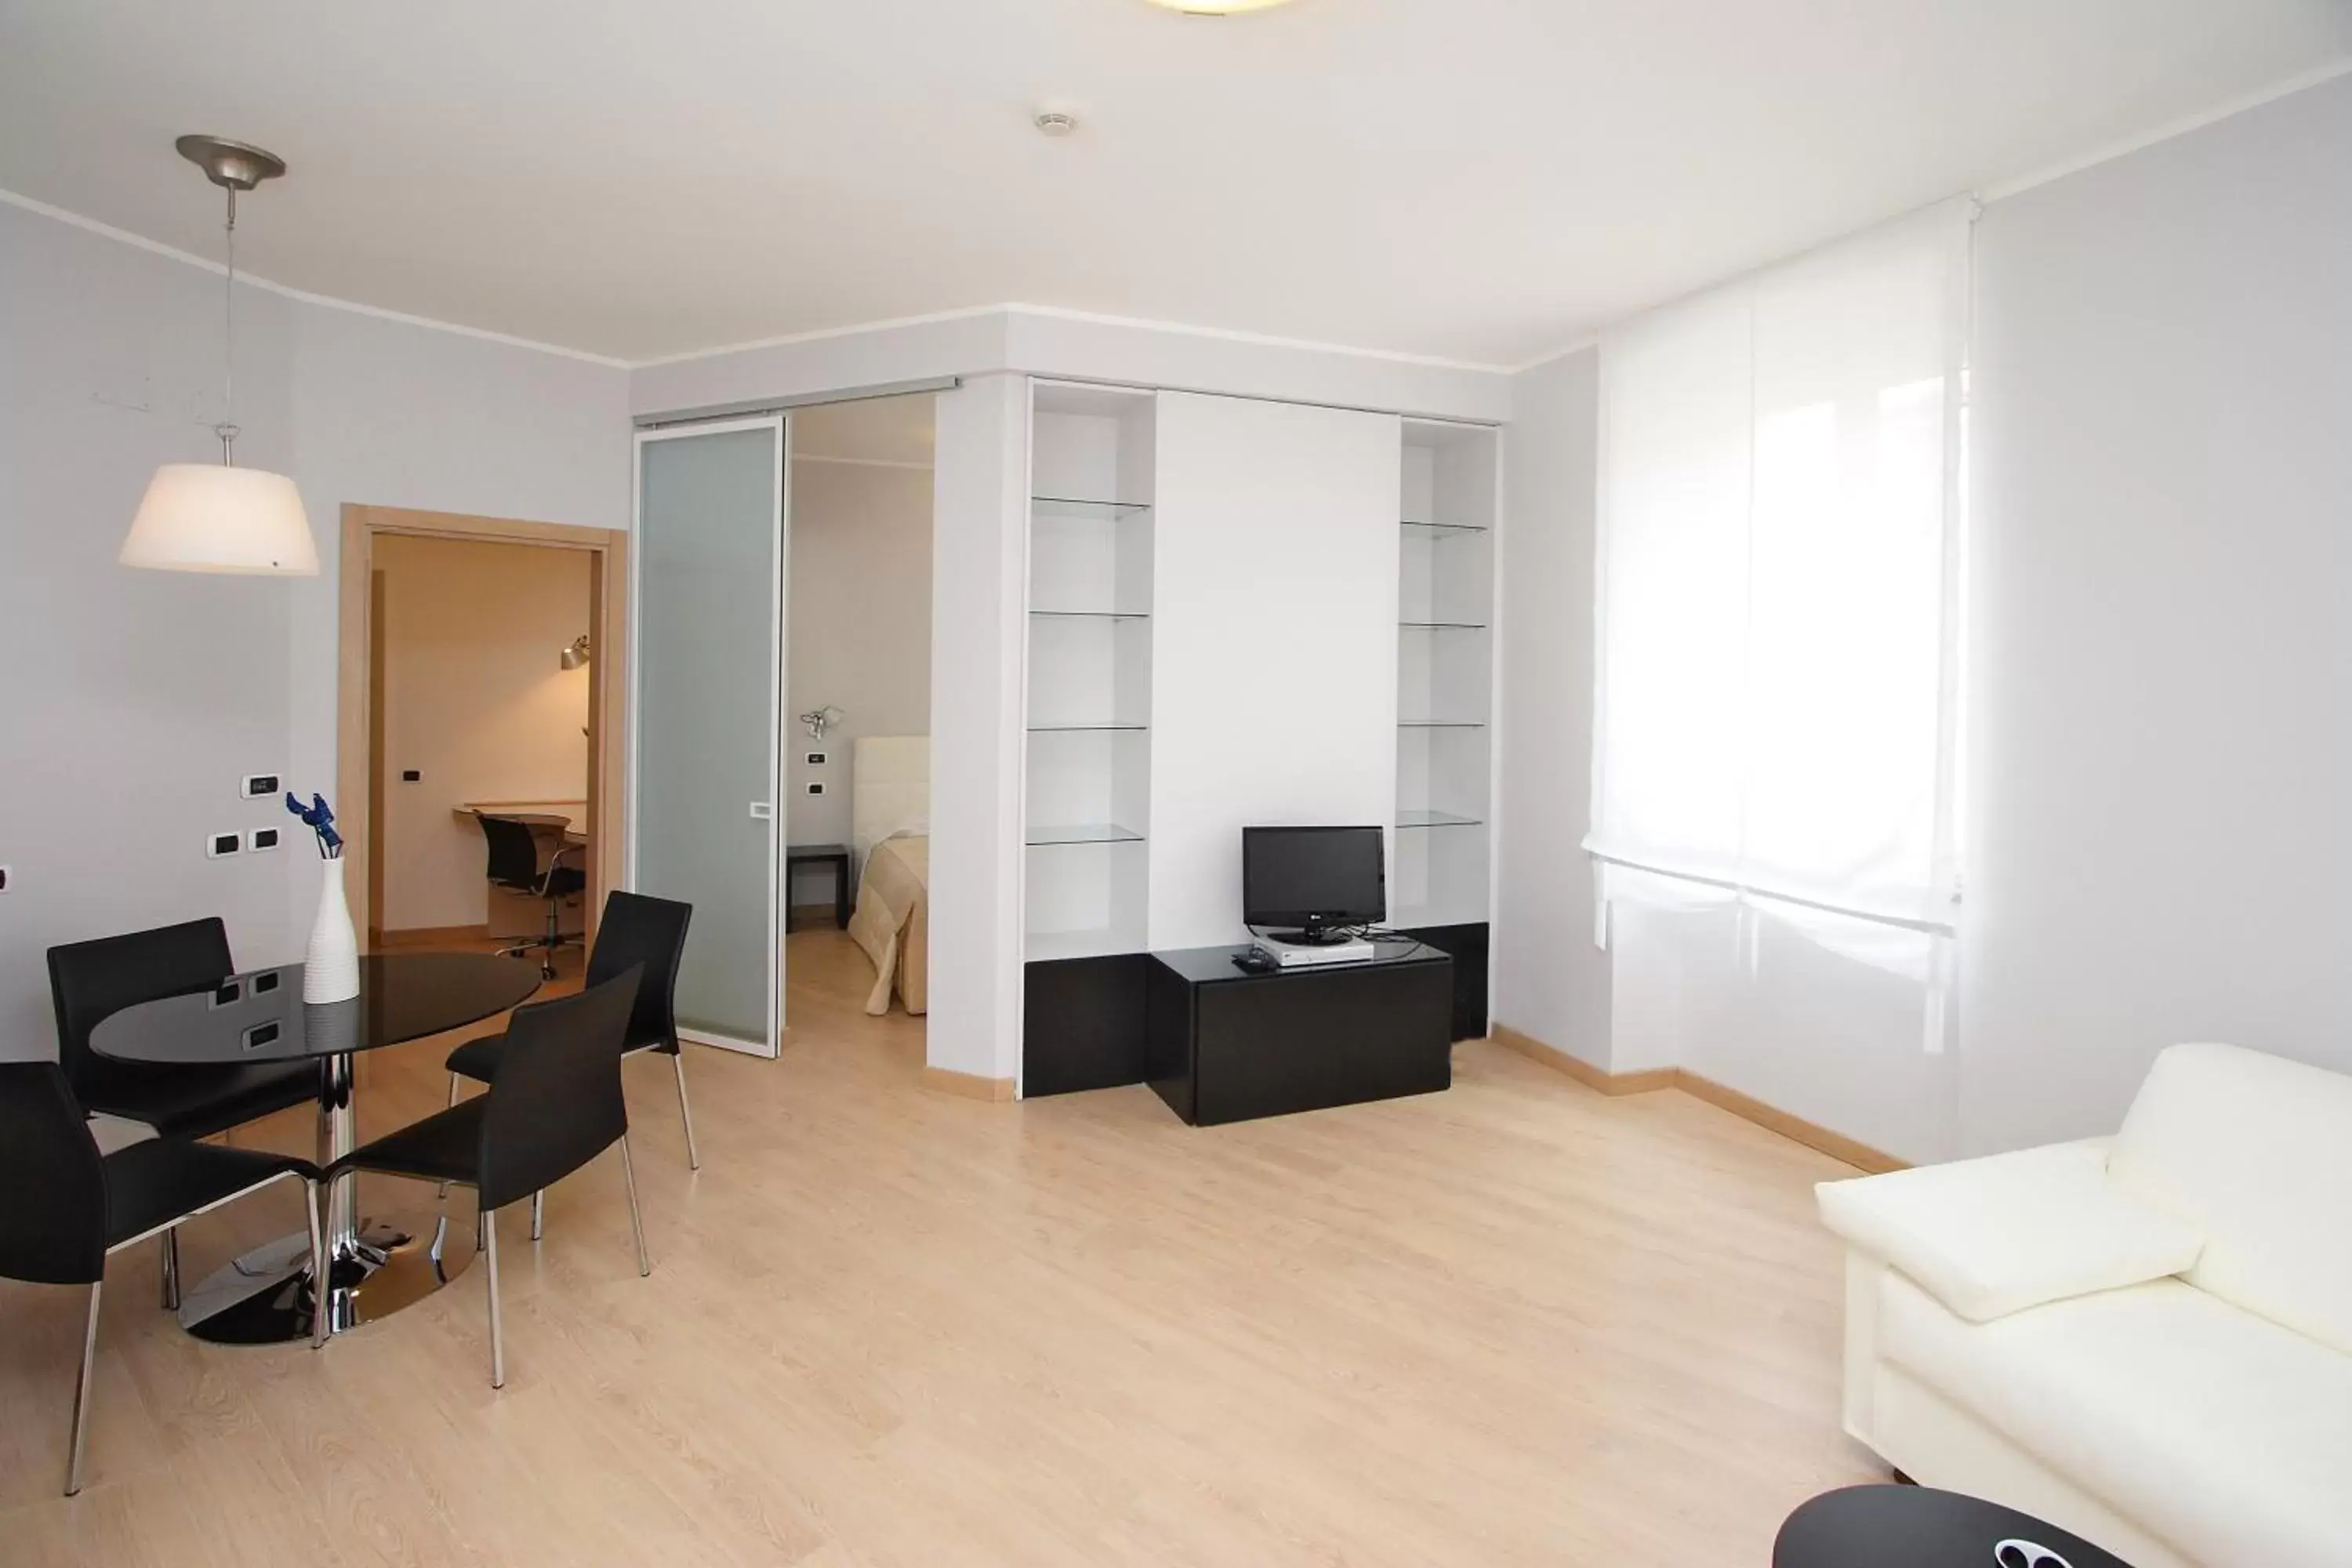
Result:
{"points": [[1273, 655], [1439, 875], [1087, 809]]}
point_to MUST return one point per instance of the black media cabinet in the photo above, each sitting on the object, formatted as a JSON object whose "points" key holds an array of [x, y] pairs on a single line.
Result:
{"points": [[1086, 1019], [1224, 1045]]}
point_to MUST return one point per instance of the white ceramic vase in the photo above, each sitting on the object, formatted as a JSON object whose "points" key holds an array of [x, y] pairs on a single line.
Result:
{"points": [[331, 968]]}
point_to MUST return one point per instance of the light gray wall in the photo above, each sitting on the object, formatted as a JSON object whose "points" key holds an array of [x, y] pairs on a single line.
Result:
{"points": [[2159, 835], [130, 702], [979, 550], [861, 632], [1550, 982]]}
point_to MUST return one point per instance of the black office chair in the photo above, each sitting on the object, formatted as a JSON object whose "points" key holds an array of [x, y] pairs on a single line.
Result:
{"points": [[90, 979], [514, 866], [67, 1206], [555, 1105], [635, 930]]}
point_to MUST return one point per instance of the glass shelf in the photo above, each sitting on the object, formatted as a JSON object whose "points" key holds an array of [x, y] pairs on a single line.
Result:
{"points": [[1087, 728], [1441, 529], [1434, 820], [1099, 510], [1092, 615], [1083, 833], [1442, 626], [1441, 723]]}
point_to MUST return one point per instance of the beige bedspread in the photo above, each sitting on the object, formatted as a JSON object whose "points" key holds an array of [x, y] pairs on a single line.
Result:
{"points": [[893, 922]]}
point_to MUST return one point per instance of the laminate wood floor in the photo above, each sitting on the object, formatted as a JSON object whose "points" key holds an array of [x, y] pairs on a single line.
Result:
{"points": [[1514, 1324]]}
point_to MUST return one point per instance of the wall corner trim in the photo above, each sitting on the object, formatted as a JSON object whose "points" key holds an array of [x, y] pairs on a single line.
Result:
{"points": [[1796, 1129], [968, 1085]]}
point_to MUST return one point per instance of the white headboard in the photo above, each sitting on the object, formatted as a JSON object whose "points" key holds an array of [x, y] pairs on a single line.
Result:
{"points": [[889, 788]]}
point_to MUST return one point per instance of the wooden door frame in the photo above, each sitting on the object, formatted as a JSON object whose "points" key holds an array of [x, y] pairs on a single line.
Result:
{"points": [[608, 684]]}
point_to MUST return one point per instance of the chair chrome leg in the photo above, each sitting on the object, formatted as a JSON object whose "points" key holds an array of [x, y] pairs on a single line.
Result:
{"points": [[82, 1392], [323, 1284], [538, 1212], [497, 1330], [452, 1105], [637, 1221], [685, 1111], [171, 1270]]}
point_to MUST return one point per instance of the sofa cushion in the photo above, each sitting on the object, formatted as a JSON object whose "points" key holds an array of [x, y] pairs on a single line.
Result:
{"points": [[2255, 1153], [2225, 1435], [1997, 1235]]}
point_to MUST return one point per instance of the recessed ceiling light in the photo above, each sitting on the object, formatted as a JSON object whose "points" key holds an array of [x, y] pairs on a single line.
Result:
{"points": [[1218, 7]]}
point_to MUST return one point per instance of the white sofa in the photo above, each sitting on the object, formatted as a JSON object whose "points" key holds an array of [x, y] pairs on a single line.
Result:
{"points": [[2146, 1340]]}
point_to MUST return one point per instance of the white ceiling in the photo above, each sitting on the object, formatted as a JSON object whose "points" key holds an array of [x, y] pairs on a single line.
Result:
{"points": [[1482, 180]]}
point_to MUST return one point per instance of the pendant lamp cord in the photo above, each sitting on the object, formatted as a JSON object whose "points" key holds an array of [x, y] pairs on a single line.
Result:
{"points": [[227, 430]]}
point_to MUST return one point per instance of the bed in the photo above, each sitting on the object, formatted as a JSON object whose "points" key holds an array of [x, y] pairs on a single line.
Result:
{"points": [[890, 828]]}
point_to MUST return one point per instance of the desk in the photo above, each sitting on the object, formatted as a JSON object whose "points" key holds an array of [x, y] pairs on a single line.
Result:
{"points": [[555, 825], [376, 1266], [1224, 1045], [547, 818]]}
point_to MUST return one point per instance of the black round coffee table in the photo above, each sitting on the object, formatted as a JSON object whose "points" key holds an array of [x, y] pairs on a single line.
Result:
{"points": [[376, 1266], [1919, 1527]]}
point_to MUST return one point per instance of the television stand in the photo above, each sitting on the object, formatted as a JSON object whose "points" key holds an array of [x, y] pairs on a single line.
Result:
{"points": [[1221, 1044]]}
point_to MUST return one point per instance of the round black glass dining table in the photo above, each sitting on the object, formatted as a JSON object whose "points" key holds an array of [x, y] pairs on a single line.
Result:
{"points": [[376, 1264]]}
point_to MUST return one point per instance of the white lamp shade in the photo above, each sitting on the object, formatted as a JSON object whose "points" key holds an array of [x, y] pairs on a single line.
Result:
{"points": [[209, 517]]}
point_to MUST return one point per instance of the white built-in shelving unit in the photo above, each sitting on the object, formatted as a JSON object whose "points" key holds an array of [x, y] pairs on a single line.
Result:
{"points": [[1445, 660], [1088, 808]]}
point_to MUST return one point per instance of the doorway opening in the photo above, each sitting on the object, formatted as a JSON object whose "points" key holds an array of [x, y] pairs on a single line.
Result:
{"points": [[481, 663], [857, 723]]}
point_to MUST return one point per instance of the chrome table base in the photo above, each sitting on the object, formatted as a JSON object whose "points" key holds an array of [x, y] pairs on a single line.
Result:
{"points": [[267, 1296]]}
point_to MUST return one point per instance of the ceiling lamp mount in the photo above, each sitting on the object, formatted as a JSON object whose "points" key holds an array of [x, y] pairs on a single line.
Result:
{"points": [[198, 516], [233, 165]]}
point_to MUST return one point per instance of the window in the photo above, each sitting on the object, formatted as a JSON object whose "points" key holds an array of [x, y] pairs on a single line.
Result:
{"points": [[1779, 673]]}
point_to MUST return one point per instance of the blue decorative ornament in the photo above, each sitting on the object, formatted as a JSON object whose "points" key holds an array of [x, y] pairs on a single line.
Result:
{"points": [[321, 820]]}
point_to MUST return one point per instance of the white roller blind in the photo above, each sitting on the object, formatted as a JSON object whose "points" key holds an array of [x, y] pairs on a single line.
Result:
{"points": [[1779, 579]]}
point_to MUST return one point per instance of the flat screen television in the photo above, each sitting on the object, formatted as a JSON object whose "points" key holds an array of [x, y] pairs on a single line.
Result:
{"points": [[1309, 880]]}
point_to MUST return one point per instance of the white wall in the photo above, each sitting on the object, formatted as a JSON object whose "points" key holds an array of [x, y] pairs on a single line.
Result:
{"points": [[130, 702], [981, 505], [860, 628], [2159, 836], [1551, 981], [1275, 555], [476, 700]]}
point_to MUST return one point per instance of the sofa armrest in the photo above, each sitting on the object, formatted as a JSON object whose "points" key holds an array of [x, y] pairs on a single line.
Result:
{"points": [[1991, 1237]]}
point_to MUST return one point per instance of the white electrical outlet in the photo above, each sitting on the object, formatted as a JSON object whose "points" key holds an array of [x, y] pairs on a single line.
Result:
{"points": [[816, 789], [257, 786], [220, 844], [257, 839], [814, 759]]}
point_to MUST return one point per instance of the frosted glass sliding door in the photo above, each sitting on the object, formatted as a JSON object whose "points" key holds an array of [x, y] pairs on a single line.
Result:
{"points": [[707, 611]]}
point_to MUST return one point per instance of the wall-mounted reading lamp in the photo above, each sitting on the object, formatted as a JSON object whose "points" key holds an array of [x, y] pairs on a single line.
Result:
{"points": [[575, 652], [817, 722]]}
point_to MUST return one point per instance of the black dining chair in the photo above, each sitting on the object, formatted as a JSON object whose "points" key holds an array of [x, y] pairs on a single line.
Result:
{"points": [[67, 1206], [635, 930], [514, 866], [90, 979], [555, 1105]]}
